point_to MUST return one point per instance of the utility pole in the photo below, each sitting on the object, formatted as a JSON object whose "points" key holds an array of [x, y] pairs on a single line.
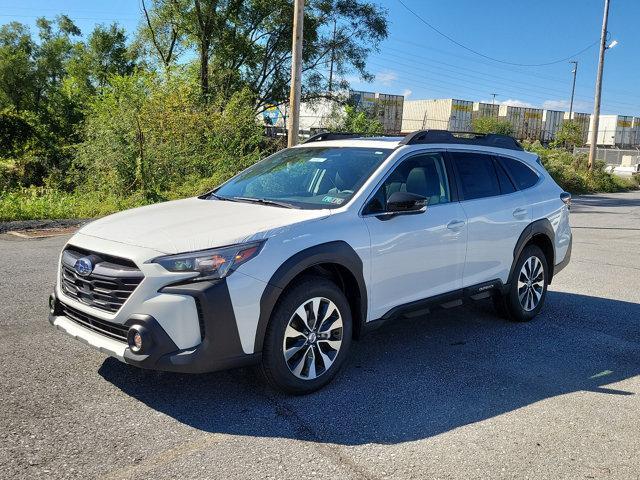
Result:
{"points": [[573, 88], [333, 50], [596, 106], [293, 125], [493, 101]]}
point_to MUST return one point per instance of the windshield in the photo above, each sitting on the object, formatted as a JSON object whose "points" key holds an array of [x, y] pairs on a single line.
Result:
{"points": [[306, 177]]}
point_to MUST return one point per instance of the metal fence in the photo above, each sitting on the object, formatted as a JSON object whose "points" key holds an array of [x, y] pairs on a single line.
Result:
{"points": [[613, 156]]}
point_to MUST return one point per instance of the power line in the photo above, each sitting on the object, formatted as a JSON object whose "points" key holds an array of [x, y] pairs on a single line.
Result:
{"points": [[481, 62], [454, 41]]}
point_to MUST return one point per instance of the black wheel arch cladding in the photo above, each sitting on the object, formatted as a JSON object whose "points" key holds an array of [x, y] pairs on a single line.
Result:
{"points": [[541, 228], [337, 252]]}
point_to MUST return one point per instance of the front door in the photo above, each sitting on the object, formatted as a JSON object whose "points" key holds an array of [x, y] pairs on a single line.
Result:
{"points": [[417, 255]]}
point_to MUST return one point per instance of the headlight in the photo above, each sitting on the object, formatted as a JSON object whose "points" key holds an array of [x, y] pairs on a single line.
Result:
{"points": [[211, 264]]}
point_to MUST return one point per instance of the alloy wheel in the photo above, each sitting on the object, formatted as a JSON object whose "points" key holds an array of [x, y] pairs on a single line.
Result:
{"points": [[531, 283], [313, 338]]}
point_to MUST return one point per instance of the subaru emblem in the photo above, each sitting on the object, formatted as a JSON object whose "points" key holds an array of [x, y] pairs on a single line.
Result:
{"points": [[83, 266]]}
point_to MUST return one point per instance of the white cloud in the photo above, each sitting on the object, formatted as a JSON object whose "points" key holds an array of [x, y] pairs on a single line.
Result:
{"points": [[578, 106], [406, 93], [386, 78], [516, 103]]}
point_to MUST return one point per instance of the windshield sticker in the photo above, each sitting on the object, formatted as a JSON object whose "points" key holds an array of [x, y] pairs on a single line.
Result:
{"points": [[334, 200], [317, 159]]}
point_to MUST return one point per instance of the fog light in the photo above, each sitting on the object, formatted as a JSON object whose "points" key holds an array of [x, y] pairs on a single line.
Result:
{"points": [[137, 339]]}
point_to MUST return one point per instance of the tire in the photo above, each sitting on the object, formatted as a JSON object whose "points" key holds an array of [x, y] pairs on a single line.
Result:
{"points": [[526, 294], [299, 355]]}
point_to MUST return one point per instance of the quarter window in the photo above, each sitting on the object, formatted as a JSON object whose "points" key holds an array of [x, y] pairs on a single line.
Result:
{"points": [[521, 174], [422, 174], [478, 177], [506, 186]]}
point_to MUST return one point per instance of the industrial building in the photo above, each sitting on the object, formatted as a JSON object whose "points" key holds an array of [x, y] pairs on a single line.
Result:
{"points": [[323, 113], [614, 131], [528, 123], [397, 115]]}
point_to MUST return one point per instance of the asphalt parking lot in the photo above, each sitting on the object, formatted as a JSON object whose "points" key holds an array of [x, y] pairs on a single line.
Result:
{"points": [[458, 394]]}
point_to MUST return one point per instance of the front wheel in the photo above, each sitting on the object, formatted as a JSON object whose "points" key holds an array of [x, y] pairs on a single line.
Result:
{"points": [[308, 337], [528, 289]]}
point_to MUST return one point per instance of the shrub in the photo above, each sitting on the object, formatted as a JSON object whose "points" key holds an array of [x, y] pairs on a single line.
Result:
{"points": [[151, 136], [572, 174], [491, 125]]}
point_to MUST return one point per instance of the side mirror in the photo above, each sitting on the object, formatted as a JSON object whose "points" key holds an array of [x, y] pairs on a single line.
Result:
{"points": [[405, 202]]}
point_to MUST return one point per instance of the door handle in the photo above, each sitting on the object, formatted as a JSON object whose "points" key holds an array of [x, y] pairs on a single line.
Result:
{"points": [[520, 212], [455, 224]]}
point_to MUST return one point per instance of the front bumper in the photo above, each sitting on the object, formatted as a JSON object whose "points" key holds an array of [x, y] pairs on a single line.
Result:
{"points": [[220, 348]]}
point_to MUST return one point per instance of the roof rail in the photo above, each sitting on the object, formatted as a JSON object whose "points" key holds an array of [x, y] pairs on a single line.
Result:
{"points": [[321, 137], [462, 138]]}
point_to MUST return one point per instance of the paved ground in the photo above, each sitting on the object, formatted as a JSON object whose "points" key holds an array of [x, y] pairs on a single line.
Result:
{"points": [[459, 394]]}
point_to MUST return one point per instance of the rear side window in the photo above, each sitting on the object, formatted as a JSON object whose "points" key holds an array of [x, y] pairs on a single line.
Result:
{"points": [[521, 174], [478, 177]]}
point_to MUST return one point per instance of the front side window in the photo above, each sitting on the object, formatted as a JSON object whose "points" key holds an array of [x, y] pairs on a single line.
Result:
{"points": [[306, 177], [521, 174], [477, 174], [422, 174]]}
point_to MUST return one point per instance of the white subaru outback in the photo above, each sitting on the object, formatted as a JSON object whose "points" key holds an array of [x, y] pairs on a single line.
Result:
{"points": [[287, 262]]}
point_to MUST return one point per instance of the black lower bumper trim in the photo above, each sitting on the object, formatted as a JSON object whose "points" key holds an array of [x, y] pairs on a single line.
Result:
{"points": [[220, 348]]}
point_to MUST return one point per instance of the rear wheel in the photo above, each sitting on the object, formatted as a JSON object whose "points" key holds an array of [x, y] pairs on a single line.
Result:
{"points": [[308, 337], [528, 289]]}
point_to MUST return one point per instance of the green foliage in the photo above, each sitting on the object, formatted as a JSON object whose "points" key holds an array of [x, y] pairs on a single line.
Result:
{"points": [[571, 172], [491, 125], [151, 135], [569, 135], [38, 202], [248, 43], [351, 120]]}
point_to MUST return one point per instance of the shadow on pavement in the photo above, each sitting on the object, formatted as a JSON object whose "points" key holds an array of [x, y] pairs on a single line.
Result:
{"points": [[604, 201], [416, 378]]}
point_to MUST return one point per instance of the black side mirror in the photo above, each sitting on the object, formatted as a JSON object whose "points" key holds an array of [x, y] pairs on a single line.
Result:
{"points": [[400, 202]]}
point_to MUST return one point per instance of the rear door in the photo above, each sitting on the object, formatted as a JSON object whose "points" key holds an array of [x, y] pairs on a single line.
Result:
{"points": [[496, 212]]}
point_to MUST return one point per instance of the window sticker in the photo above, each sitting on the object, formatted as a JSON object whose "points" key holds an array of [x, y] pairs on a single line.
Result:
{"points": [[333, 200], [317, 159]]}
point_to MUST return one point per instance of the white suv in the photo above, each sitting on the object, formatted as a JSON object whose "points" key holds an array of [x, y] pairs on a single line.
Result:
{"points": [[290, 260]]}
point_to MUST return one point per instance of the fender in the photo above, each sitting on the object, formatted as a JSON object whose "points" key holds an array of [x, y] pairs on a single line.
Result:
{"points": [[539, 227], [338, 252]]}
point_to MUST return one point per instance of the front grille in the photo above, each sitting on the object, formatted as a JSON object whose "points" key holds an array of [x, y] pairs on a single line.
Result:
{"points": [[109, 284], [112, 330]]}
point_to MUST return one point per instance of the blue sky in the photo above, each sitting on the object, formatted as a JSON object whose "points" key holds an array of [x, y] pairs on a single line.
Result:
{"points": [[417, 62]]}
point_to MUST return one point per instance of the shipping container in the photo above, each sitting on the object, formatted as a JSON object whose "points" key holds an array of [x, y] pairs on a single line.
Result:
{"points": [[526, 122], [582, 119], [485, 110], [636, 132], [551, 123], [386, 108], [613, 131], [440, 114]]}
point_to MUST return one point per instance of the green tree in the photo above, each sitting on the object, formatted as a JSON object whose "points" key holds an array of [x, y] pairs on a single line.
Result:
{"points": [[17, 67], [349, 119], [569, 135], [248, 43], [491, 125], [151, 135]]}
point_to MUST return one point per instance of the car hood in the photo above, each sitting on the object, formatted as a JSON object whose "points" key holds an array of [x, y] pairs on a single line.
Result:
{"points": [[196, 224]]}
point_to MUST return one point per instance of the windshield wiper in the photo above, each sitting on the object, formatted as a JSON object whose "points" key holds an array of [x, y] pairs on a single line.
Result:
{"points": [[264, 201]]}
